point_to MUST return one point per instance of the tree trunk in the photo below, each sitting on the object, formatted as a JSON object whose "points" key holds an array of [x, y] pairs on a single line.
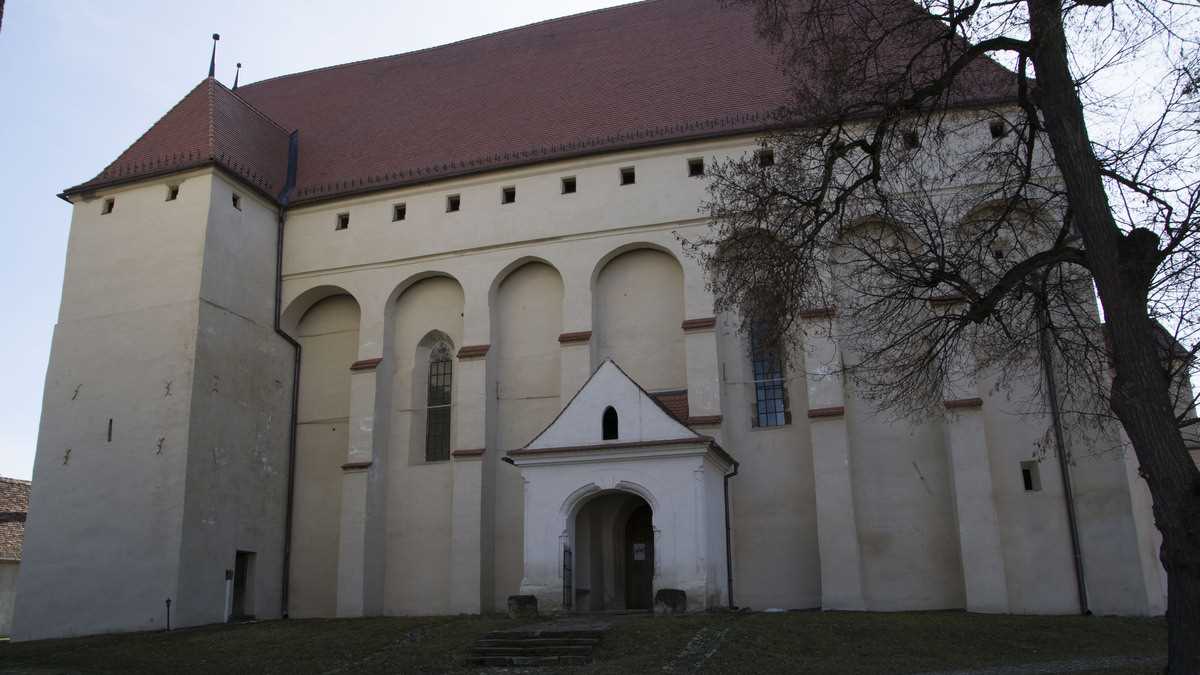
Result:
{"points": [[1123, 267]]}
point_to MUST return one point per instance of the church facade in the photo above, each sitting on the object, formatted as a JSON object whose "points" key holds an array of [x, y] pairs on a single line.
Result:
{"points": [[416, 334]]}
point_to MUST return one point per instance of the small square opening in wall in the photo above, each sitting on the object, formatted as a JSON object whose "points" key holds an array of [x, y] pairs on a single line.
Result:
{"points": [[1031, 477], [453, 203], [508, 195], [343, 222], [568, 185], [998, 129], [172, 192], [237, 201], [912, 139], [108, 206], [765, 157], [696, 167], [399, 212], [628, 176]]}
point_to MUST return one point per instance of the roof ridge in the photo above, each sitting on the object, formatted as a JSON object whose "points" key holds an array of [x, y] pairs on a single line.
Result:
{"points": [[254, 109], [454, 43], [6, 479]]}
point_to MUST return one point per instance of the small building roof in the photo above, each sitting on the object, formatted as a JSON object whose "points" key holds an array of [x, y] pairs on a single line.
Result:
{"points": [[14, 505]]}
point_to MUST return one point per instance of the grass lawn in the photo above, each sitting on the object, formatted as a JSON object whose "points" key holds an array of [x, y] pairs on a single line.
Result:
{"points": [[717, 643]]}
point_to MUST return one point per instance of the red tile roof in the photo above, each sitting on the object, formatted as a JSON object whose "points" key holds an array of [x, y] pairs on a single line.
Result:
{"points": [[14, 504], [648, 73], [210, 125]]}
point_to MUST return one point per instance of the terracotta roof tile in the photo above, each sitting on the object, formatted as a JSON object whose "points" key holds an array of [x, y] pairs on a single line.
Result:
{"points": [[642, 74], [14, 504], [210, 125]]}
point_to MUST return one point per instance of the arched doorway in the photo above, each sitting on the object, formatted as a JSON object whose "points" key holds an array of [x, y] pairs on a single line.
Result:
{"points": [[613, 553]]}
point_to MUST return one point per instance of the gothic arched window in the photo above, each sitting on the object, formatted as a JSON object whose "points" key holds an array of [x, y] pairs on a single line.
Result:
{"points": [[770, 385], [608, 424], [437, 410]]}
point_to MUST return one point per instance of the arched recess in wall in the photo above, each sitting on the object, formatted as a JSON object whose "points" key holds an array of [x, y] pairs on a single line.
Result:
{"points": [[425, 315], [526, 311], [327, 330], [637, 316]]}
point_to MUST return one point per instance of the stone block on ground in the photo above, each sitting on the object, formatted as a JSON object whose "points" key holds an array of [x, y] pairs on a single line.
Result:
{"points": [[522, 607], [670, 601]]}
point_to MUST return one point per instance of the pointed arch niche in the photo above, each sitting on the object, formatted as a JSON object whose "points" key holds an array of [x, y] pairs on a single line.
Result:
{"points": [[637, 317], [328, 337]]}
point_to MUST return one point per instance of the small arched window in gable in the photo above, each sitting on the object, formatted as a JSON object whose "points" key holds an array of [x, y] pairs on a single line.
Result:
{"points": [[609, 424]]}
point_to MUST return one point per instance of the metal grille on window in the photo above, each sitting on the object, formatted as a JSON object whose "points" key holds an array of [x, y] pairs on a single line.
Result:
{"points": [[770, 386], [437, 415]]}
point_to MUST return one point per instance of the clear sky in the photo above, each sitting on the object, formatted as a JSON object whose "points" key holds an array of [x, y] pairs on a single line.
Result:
{"points": [[82, 80]]}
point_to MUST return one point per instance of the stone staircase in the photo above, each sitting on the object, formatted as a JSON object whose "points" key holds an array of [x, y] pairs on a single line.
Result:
{"points": [[564, 643]]}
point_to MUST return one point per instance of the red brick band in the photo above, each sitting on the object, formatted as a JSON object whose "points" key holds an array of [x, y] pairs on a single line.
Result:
{"points": [[470, 452], [960, 403], [356, 466], [704, 420], [572, 338], [473, 351], [366, 364], [818, 313], [832, 411], [700, 324]]}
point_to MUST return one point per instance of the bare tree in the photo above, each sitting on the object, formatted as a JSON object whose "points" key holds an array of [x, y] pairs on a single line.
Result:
{"points": [[949, 207]]}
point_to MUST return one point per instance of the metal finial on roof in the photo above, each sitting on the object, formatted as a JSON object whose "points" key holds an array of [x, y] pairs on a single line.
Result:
{"points": [[235, 75], [212, 62]]}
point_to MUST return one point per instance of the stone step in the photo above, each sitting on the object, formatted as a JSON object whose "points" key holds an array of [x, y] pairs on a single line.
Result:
{"points": [[539, 642], [531, 661], [562, 650]]}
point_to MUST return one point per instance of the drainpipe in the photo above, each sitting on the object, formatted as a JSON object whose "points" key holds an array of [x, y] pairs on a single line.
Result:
{"points": [[729, 537], [1060, 446], [293, 154]]}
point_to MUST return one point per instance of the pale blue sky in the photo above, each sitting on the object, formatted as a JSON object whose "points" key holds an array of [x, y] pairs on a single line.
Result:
{"points": [[82, 80]]}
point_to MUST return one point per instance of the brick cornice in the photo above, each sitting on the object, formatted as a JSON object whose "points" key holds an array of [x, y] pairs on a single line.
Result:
{"points": [[831, 411], [356, 466], [366, 364], [704, 420], [473, 351], [467, 453], [706, 323], [575, 338], [818, 313], [963, 403]]}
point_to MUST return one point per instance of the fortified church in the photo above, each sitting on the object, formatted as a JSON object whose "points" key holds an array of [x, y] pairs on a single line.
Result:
{"points": [[416, 334]]}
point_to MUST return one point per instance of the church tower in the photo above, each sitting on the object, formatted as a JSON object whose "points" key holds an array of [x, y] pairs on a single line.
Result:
{"points": [[165, 424]]}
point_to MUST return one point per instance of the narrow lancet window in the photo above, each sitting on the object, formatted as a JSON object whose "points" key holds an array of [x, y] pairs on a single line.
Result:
{"points": [[437, 412], [770, 385], [609, 424]]}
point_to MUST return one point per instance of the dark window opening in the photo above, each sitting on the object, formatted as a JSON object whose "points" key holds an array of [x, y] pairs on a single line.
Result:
{"points": [[399, 211], [609, 425], [172, 192], [453, 203], [343, 221], [696, 167], [508, 195], [998, 253], [765, 157], [108, 206], [1030, 477], [911, 139], [237, 201], [998, 129], [628, 177], [770, 386], [568, 185], [437, 414]]}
